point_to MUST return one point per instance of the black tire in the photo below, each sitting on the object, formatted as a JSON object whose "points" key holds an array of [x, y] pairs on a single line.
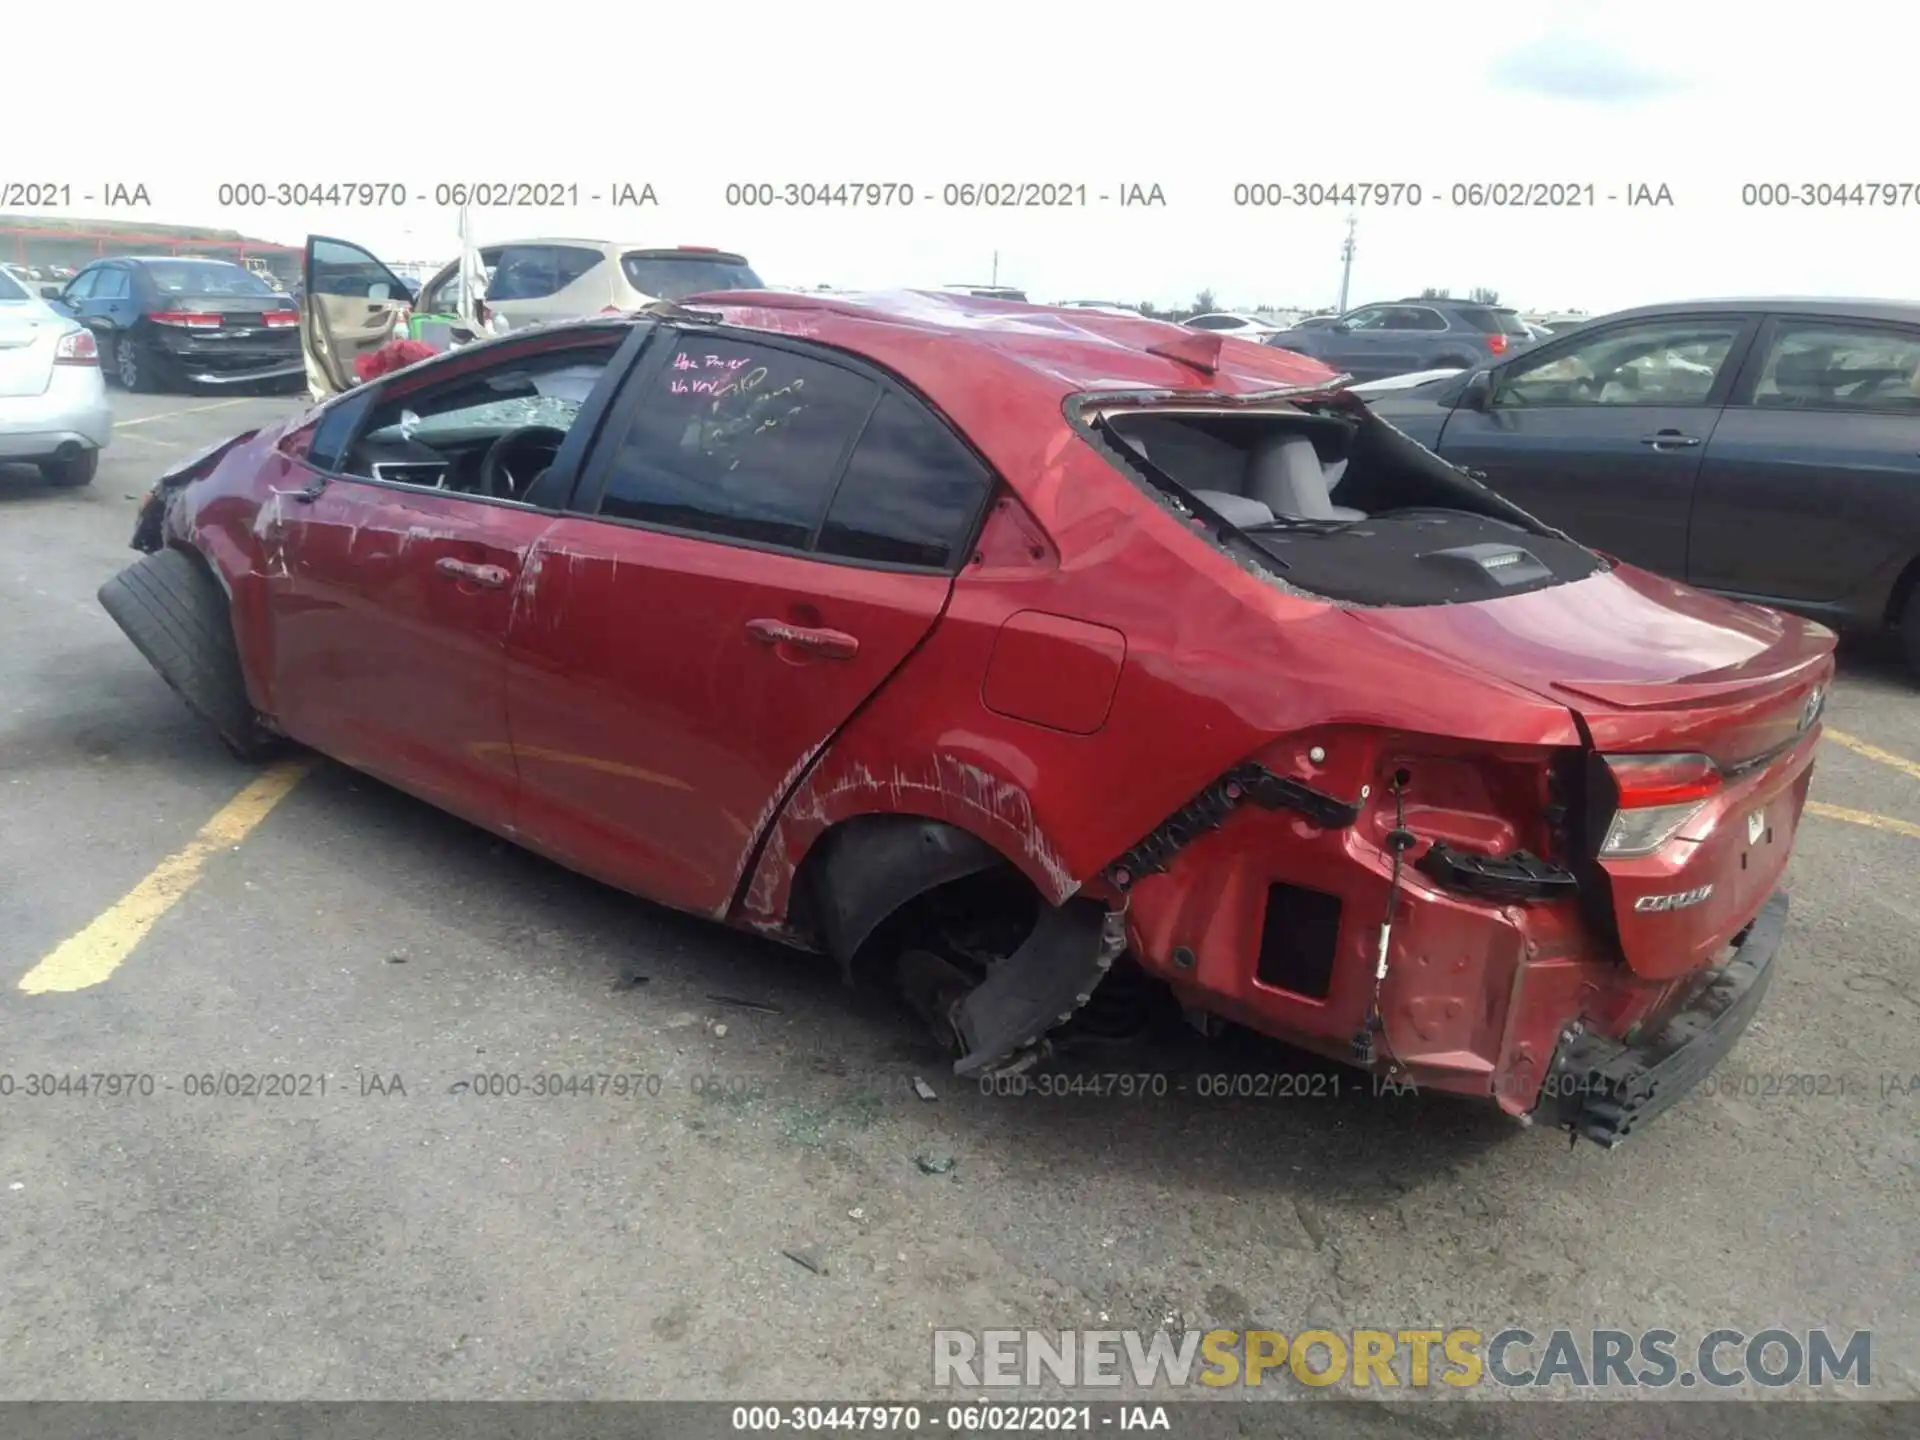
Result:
{"points": [[1910, 632], [176, 616], [71, 473]]}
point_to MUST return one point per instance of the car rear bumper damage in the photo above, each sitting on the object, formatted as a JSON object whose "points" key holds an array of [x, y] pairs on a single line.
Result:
{"points": [[1601, 1088]]}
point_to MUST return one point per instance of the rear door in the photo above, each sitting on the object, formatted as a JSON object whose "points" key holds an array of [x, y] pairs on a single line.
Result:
{"points": [[767, 532], [1810, 489], [1602, 435], [350, 304]]}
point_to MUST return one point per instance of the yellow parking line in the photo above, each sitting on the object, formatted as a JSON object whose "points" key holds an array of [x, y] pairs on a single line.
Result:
{"points": [[1874, 752], [95, 953], [1863, 817], [190, 410]]}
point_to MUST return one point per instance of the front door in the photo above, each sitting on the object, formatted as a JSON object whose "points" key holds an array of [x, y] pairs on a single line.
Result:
{"points": [[392, 577], [769, 532], [1602, 436]]}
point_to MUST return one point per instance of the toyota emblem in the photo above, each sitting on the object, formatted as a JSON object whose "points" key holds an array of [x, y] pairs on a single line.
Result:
{"points": [[1810, 711]]}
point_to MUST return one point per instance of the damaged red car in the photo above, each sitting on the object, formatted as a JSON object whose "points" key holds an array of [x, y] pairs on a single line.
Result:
{"points": [[995, 651]]}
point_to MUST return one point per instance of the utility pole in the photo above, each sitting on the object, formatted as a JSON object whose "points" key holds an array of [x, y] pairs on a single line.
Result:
{"points": [[1346, 260], [996, 269]]}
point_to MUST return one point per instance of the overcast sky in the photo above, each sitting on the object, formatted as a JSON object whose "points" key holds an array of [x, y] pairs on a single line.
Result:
{"points": [[1702, 98]]}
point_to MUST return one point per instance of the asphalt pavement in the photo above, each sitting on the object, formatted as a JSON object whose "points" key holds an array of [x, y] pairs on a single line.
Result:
{"points": [[406, 1218]]}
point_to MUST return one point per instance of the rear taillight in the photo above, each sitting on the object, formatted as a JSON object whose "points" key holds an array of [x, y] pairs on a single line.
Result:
{"points": [[186, 319], [79, 348], [280, 319], [1656, 796], [1497, 344]]}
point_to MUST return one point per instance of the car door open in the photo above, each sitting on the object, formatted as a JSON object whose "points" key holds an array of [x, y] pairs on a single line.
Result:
{"points": [[768, 535], [350, 304]]}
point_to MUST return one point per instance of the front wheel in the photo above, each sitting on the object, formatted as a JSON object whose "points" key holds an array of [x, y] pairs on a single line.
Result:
{"points": [[74, 470]]}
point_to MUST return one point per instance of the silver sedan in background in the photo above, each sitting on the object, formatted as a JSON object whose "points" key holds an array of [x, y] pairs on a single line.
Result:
{"points": [[53, 398]]}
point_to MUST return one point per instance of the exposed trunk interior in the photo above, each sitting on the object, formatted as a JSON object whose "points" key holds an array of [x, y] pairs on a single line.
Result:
{"points": [[1340, 504]]}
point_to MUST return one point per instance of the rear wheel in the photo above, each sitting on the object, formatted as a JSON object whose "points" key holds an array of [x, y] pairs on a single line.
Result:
{"points": [[176, 615], [73, 470], [134, 370]]}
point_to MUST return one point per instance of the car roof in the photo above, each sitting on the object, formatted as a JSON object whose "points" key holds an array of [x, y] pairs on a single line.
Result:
{"points": [[170, 260], [1001, 369], [1865, 309]]}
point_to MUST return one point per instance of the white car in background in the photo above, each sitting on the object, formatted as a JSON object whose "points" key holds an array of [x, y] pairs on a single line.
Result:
{"points": [[53, 398], [1226, 322]]}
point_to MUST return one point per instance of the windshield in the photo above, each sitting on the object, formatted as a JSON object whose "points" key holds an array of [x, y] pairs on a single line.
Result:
{"points": [[672, 277], [10, 288], [206, 277]]}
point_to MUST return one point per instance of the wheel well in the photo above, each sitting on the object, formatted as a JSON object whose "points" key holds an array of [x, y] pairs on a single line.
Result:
{"points": [[859, 877], [1903, 589]]}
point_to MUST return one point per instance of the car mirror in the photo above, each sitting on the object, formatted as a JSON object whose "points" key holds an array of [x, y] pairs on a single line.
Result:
{"points": [[1478, 394], [1341, 327], [51, 292]]}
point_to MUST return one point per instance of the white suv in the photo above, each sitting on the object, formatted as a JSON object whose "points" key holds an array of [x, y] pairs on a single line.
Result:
{"points": [[530, 282]]}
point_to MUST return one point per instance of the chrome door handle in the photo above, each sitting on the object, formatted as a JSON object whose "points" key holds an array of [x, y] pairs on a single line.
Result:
{"points": [[492, 577], [1669, 437], [834, 644]]}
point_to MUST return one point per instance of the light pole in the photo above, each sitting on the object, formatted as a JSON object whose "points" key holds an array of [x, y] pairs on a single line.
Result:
{"points": [[1346, 260]]}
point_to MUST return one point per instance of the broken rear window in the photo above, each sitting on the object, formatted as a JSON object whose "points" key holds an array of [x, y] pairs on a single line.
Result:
{"points": [[1337, 503]]}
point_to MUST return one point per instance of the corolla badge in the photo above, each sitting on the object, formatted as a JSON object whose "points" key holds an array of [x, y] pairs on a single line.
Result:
{"points": [[1810, 712], [1680, 901]]}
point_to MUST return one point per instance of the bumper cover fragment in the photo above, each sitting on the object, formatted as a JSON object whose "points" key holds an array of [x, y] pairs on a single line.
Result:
{"points": [[1602, 1089]]}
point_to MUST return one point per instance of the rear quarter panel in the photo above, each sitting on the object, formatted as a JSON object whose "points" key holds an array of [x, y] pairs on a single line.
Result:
{"points": [[1218, 664]]}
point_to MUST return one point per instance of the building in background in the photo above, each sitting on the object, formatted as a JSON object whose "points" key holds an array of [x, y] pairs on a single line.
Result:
{"points": [[59, 245]]}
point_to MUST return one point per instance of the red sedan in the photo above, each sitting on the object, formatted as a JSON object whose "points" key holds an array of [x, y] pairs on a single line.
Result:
{"points": [[986, 647]]}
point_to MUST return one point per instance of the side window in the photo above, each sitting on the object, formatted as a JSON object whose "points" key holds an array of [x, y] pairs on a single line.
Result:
{"points": [[1214, 322], [82, 286], [440, 431], [1656, 362], [347, 270], [1419, 317], [112, 285], [910, 493], [1372, 318], [533, 272], [1828, 365], [740, 440], [326, 451]]}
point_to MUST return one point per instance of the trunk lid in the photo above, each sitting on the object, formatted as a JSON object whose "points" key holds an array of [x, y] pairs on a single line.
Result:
{"points": [[1649, 667]]}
